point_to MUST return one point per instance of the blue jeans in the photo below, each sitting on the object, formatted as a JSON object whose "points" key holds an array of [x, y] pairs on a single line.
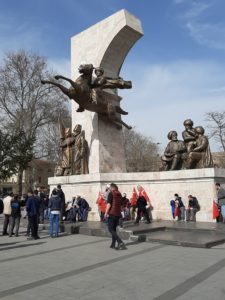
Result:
{"points": [[83, 214], [54, 219]]}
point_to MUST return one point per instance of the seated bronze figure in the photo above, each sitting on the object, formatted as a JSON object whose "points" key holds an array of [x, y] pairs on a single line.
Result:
{"points": [[199, 156], [173, 155]]}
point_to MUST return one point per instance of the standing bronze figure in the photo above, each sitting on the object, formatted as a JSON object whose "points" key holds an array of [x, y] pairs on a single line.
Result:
{"points": [[67, 141], [81, 153], [189, 135]]}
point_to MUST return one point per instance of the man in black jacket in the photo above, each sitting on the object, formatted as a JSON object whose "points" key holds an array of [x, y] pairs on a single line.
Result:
{"points": [[32, 207], [142, 211], [178, 199], [193, 208], [61, 195]]}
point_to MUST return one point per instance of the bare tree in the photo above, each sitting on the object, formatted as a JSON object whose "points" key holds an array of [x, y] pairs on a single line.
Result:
{"points": [[216, 126], [48, 138], [142, 154], [25, 104]]}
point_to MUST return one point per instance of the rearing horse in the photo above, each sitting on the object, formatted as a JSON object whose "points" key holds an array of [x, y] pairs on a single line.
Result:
{"points": [[81, 91]]}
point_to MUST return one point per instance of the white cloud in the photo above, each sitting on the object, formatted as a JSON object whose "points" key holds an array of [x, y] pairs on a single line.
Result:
{"points": [[165, 95], [211, 35], [16, 35], [195, 18]]}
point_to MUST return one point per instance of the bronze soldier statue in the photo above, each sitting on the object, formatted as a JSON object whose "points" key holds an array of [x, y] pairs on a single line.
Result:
{"points": [[81, 152], [84, 154], [67, 141]]}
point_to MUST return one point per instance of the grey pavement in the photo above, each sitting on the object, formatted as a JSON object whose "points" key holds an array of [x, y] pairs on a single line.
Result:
{"points": [[84, 267]]}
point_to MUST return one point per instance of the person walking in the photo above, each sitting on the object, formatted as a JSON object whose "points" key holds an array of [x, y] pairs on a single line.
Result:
{"points": [[32, 208], [15, 216], [54, 205], [7, 212], [113, 212]]}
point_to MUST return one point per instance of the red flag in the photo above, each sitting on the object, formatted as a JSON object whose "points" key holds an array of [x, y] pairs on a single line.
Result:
{"points": [[134, 198], [101, 202], [216, 212]]}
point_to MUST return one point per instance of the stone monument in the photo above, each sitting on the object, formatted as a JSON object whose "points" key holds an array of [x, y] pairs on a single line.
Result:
{"points": [[105, 46]]}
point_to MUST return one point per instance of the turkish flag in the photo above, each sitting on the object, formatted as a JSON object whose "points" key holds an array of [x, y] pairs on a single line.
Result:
{"points": [[216, 212], [101, 202], [134, 197]]}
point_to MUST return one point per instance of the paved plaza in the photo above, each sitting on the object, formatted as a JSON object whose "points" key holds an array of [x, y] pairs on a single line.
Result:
{"points": [[84, 267]]}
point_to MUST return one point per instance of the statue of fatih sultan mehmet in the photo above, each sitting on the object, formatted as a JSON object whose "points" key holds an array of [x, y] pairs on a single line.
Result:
{"points": [[82, 91]]}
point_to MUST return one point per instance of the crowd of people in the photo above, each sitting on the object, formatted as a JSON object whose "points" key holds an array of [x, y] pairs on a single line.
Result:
{"points": [[77, 209], [137, 208], [39, 207], [179, 210], [113, 207], [187, 213]]}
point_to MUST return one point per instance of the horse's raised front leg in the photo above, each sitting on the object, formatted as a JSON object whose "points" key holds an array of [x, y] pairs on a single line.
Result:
{"points": [[73, 83], [60, 86]]}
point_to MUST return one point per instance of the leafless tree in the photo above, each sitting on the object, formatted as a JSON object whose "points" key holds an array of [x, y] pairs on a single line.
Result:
{"points": [[216, 126], [25, 104], [142, 154], [48, 138]]}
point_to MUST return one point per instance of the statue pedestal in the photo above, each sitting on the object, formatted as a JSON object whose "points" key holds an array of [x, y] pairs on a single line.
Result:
{"points": [[160, 187]]}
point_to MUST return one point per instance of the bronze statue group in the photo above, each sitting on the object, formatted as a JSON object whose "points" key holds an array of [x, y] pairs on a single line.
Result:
{"points": [[191, 153]]}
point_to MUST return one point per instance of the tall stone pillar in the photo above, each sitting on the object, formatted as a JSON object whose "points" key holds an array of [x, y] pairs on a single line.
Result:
{"points": [[106, 45]]}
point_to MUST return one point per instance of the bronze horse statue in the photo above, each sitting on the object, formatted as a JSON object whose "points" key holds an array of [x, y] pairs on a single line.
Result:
{"points": [[89, 96]]}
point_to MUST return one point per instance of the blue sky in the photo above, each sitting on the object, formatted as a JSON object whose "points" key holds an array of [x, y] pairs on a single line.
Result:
{"points": [[177, 67]]}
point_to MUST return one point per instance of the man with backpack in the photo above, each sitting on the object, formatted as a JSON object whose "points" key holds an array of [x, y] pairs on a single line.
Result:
{"points": [[83, 208]]}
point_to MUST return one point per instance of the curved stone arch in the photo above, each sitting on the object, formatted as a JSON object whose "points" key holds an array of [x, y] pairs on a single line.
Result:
{"points": [[117, 45]]}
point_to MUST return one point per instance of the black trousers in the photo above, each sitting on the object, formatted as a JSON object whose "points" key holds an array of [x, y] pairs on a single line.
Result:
{"points": [[33, 223], [144, 213], [113, 222]]}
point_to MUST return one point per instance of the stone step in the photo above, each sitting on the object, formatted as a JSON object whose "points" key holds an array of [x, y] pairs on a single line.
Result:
{"points": [[196, 239]]}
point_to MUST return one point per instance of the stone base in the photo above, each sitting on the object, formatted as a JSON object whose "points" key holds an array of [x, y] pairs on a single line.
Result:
{"points": [[160, 186]]}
